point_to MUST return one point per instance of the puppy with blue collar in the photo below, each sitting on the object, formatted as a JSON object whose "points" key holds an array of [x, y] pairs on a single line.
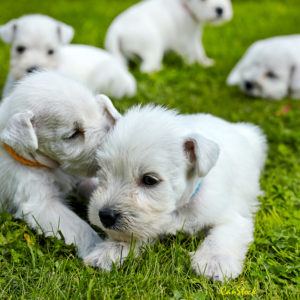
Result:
{"points": [[161, 172]]}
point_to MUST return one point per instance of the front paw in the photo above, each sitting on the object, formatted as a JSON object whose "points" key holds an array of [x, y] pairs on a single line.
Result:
{"points": [[106, 254], [207, 62], [215, 266]]}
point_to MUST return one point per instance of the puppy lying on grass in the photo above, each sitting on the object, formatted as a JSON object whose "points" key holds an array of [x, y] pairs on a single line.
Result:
{"points": [[40, 42], [150, 28], [270, 68], [50, 128], [161, 172]]}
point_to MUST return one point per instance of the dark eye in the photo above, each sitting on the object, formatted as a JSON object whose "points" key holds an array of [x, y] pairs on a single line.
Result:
{"points": [[20, 49], [50, 52], [75, 134], [271, 75], [150, 180]]}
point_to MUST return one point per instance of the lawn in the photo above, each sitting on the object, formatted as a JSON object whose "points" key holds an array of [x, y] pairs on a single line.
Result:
{"points": [[32, 266]]}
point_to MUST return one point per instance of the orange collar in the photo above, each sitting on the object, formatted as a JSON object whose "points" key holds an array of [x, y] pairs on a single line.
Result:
{"points": [[22, 159]]}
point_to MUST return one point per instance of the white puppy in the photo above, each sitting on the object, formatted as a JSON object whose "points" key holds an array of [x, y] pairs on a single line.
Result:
{"points": [[150, 28], [50, 126], [270, 68], [162, 172], [40, 42]]}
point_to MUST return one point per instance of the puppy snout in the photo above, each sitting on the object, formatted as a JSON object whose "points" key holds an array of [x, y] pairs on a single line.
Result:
{"points": [[249, 85], [108, 217], [32, 69], [219, 11]]}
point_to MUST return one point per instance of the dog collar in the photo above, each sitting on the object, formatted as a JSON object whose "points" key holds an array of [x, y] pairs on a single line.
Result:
{"points": [[22, 159], [197, 189], [188, 10]]}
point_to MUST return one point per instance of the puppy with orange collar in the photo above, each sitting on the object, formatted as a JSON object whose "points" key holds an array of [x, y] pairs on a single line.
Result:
{"points": [[50, 128]]}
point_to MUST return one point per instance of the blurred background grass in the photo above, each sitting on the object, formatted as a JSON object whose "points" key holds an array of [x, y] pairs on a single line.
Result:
{"points": [[35, 267]]}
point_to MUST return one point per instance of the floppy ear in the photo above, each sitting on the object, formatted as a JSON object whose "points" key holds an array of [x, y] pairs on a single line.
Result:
{"points": [[295, 81], [234, 76], [65, 33], [108, 108], [201, 152], [8, 30], [19, 133]]}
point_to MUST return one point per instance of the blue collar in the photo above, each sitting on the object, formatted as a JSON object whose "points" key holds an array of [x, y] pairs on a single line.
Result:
{"points": [[197, 189]]}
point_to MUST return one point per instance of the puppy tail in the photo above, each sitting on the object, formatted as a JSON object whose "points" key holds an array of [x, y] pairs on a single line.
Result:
{"points": [[257, 140]]}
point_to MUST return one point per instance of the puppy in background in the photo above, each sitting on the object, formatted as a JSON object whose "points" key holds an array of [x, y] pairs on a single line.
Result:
{"points": [[150, 28], [50, 127], [40, 42], [270, 69], [161, 172]]}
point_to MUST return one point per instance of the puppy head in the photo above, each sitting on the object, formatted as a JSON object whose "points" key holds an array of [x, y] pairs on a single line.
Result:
{"points": [[267, 70], [211, 11], [149, 166], [35, 42], [56, 121]]}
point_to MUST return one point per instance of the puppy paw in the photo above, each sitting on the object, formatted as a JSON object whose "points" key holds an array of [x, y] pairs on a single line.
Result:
{"points": [[106, 254], [215, 266], [207, 62], [86, 241], [150, 68]]}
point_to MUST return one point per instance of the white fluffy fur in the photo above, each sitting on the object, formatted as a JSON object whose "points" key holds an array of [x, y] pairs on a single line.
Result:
{"points": [[38, 120], [270, 68], [180, 150], [150, 28], [96, 68]]}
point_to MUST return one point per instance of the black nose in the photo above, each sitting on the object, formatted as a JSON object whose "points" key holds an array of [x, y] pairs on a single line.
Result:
{"points": [[32, 69], [219, 11], [248, 85], [108, 217]]}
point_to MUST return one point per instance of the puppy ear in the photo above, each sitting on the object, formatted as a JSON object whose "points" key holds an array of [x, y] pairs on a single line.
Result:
{"points": [[234, 76], [19, 132], [201, 152], [65, 33], [8, 30], [108, 108], [295, 80]]}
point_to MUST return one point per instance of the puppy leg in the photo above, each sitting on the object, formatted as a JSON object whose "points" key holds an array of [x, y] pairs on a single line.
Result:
{"points": [[111, 78], [45, 212], [151, 60], [108, 253], [223, 251], [197, 53]]}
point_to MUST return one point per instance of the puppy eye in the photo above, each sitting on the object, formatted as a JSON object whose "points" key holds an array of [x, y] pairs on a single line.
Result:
{"points": [[75, 134], [271, 75], [50, 52], [150, 180], [20, 49]]}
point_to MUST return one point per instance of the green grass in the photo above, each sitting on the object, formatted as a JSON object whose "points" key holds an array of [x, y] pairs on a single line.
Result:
{"points": [[32, 266]]}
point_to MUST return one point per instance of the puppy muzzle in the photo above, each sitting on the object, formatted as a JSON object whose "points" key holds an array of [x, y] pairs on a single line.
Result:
{"points": [[109, 218]]}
